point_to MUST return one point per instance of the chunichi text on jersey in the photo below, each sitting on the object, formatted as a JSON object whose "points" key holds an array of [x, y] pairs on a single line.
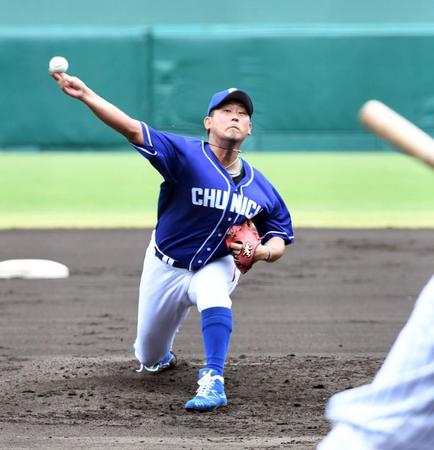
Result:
{"points": [[217, 198]]}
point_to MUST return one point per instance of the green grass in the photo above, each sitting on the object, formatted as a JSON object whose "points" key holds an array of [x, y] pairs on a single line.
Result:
{"points": [[121, 189]]}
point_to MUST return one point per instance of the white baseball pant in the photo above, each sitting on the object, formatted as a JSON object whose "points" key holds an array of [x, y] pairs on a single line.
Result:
{"points": [[167, 294]]}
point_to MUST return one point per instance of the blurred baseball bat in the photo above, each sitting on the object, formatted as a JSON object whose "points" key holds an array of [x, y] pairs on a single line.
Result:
{"points": [[399, 131]]}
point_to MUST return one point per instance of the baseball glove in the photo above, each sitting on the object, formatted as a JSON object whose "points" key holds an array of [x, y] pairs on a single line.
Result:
{"points": [[246, 235]]}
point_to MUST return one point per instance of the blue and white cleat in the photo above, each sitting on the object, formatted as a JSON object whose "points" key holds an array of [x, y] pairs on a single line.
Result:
{"points": [[168, 362], [211, 392]]}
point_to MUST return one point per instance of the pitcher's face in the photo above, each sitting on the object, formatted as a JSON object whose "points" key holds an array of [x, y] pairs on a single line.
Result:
{"points": [[229, 121]]}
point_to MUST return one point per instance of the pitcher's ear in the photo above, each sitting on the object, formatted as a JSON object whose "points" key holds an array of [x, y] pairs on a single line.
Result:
{"points": [[206, 123]]}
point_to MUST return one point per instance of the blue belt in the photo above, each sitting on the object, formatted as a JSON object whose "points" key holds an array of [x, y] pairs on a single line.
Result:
{"points": [[168, 260]]}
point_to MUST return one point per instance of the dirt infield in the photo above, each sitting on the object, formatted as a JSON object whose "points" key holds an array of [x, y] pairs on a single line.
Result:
{"points": [[318, 321]]}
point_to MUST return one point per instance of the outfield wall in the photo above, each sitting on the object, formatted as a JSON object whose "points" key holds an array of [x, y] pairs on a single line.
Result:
{"points": [[307, 82], [35, 113], [149, 12]]}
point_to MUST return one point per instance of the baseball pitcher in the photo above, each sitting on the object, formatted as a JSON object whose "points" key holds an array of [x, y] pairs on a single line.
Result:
{"points": [[217, 216]]}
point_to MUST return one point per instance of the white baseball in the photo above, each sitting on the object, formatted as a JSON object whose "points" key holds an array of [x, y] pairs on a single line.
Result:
{"points": [[58, 64]]}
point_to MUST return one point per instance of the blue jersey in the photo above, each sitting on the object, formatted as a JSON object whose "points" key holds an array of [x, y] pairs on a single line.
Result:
{"points": [[199, 201]]}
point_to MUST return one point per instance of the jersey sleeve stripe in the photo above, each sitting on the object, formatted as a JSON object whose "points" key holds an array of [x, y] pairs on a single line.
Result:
{"points": [[145, 150], [291, 238], [147, 143], [146, 132]]}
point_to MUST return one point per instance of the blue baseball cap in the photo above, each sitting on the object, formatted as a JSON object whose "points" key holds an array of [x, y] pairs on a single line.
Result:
{"points": [[231, 94]]}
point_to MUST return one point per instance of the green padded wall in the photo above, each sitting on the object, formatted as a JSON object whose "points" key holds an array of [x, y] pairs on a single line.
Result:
{"points": [[35, 113], [307, 83], [309, 66], [149, 12]]}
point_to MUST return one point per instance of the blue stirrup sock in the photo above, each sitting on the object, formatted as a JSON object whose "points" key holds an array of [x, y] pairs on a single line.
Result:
{"points": [[216, 333]]}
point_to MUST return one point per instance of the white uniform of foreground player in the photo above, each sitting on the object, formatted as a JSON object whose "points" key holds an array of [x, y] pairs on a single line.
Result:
{"points": [[395, 411]]}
